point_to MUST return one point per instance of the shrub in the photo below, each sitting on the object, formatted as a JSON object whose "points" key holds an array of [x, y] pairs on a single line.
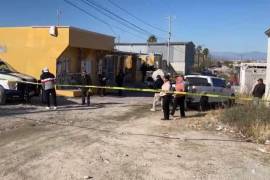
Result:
{"points": [[252, 121]]}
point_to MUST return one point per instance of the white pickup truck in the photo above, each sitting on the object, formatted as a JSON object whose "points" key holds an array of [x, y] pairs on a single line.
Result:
{"points": [[11, 87], [208, 85]]}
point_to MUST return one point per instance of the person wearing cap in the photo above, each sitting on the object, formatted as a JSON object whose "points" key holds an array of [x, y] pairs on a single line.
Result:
{"points": [[85, 91], [179, 99], [166, 97], [48, 84], [258, 90]]}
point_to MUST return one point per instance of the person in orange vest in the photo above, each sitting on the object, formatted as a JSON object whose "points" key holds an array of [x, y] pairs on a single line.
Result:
{"points": [[179, 99]]}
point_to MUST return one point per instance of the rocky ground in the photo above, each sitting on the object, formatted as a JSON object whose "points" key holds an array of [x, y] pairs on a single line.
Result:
{"points": [[119, 138]]}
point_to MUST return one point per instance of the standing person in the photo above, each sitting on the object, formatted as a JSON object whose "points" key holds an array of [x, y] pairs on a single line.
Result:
{"points": [[143, 70], [166, 97], [179, 98], [48, 83], [102, 81], [157, 85], [85, 91], [120, 81], [258, 91], [43, 97]]}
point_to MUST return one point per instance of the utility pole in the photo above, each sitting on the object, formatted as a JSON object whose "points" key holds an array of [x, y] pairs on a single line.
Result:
{"points": [[58, 12], [118, 38], [169, 39]]}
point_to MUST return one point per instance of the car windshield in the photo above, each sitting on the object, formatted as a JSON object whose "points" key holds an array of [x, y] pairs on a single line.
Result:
{"points": [[218, 82], [197, 81], [4, 67]]}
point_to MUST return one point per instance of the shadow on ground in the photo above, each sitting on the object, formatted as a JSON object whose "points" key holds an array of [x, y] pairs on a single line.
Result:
{"points": [[35, 107]]}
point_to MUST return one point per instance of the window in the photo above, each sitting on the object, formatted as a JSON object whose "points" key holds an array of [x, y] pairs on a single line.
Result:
{"points": [[197, 81], [218, 82], [86, 66], [6, 68]]}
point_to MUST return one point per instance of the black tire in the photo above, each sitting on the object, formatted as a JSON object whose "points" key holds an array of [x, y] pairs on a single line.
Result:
{"points": [[204, 105], [2, 96]]}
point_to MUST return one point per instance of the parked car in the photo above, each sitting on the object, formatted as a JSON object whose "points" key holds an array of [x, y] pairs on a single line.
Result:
{"points": [[11, 87], [208, 85]]}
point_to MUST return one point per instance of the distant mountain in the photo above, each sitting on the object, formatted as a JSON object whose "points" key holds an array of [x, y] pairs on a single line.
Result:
{"points": [[255, 56]]}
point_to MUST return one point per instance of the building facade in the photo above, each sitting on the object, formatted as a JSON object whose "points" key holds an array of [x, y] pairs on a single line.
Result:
{"points": [[181, 53], [66, 51], [268, 67], [249, 74]]}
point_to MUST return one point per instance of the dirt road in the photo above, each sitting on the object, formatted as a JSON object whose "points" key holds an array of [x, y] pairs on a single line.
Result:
{"points": [[119, 138]]}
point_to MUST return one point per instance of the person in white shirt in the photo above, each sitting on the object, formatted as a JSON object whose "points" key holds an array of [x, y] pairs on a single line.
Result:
{"points": [[166, 97]]}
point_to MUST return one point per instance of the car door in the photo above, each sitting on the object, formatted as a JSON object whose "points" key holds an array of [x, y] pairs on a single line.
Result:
{"points": [[218, 88]]}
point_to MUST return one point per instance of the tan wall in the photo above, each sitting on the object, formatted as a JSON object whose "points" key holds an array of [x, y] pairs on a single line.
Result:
{"points": [[72, 55], [29, 49], [90, 40], [75, 55]]}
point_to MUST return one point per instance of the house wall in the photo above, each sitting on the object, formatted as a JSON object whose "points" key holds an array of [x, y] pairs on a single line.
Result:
{"points": [[181, 56], [268, 72], [249, 76], [133, 48], [90, 40], [30, 49], [190, 53], [77, 57]]}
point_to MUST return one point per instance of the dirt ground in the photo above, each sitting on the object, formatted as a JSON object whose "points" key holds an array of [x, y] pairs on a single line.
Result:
{"points": [[119, 138]]}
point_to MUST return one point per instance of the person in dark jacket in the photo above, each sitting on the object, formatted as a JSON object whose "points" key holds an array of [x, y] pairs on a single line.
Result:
{"points": [[158, 83], [258, 90], [48, 84], [120, 81], [43, 96], [85, 91], [102, 81], [143, 71]]}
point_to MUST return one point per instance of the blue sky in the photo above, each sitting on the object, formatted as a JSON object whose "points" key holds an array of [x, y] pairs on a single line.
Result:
{"points": [[220, 25]]}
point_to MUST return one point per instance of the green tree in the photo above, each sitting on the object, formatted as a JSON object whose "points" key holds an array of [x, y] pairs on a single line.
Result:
{"points": [[205, 53], [198, 53], [152, 39]]}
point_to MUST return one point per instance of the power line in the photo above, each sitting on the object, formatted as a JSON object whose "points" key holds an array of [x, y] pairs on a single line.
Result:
{"points": [[139, 19], [106, 23], [109, 16], [91, 15], [101, 20], [119, 17]]}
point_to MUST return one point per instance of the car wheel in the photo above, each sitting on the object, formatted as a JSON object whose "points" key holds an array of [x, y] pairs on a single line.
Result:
{"points": [[204, 105], [2, 96]]}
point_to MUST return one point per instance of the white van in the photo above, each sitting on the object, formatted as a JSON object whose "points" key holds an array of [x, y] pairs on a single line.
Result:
{"points": [[11, 87]]}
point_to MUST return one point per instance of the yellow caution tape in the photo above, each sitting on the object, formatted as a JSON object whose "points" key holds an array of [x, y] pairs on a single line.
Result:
{"points": [[147, 90]]}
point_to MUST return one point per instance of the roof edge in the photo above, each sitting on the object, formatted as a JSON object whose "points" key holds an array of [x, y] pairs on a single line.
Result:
{"points": [[48, 26], [85, 30], [154, 44]]}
